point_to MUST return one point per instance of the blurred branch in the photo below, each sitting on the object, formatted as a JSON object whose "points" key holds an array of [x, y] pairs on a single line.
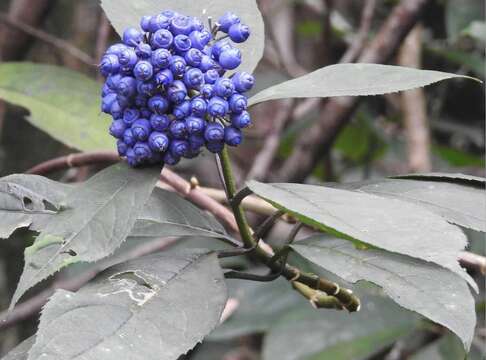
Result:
{"points": [[48, 39], [13, 40], [318, 139], [359, 41], [264, 159], [353, 52], [414, 107]]}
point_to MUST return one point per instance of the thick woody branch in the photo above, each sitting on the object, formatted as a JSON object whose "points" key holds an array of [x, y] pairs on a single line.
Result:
{"points": [[317, 140]]}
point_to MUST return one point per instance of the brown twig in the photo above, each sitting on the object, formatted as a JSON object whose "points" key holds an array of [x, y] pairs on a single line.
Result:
{"points": [[263, 160], [317, 140], [414, 108], [48, 39], [359, 42]]}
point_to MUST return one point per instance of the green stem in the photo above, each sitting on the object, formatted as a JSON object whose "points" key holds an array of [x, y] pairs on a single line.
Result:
{"points": [[347, 299]]}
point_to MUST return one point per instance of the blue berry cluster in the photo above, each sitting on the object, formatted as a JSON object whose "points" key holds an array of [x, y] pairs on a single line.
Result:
{"points": [[167, 92]]}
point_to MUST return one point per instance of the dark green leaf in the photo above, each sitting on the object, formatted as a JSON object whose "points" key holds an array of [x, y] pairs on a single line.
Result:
{"points": [[157, 307], [127, 13], [21, 351], [352, 80], [390, 224], [426, 288], [460, 204], [306, 333], [61, 102], [97, 217], [28, 201], [168, 214]]}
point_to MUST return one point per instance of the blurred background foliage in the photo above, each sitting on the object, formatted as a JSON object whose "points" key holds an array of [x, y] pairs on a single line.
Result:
{"points": [[438, 129]]}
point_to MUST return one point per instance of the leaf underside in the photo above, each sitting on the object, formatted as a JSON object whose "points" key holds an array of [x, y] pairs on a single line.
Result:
{"points": [[390, 224], [157, 307], [97, 218], [420, 286], [352, 80]]}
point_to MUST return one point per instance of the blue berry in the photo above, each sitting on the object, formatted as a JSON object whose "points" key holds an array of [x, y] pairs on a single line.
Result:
{"points": [[214, 132], [207, 63], [116, 49], [158, 104], [159, 122], [197, 24], [238, 103], [131, 159], [193, 57], [159, 22], [196, 142], [207, 91], [181, 24], [164, 78], [199, 106], [123, 101], [232, 136], [219, 47], [178, 129], [144, 51], [109, 65], [128, 58], [211, 76], [141, 129], [179, 148], [113, 80], [145, 23], [127, 87], [194, 78], [230, 59], [177, 92], [140, 101], [199, 39], [169, 14], [145, 113], [170, 159], [107, 102], [129, 137], [162, 39], [182, 110], [178, 65], [215, 146], [239, 33], [143, 70], [117, 128], [145, 88], [227, 20], [116, 110], [142, 151], [224, 87], [182, 43], [132, 37], [130, 116], [218, 106], [243, 81], [158, 141], [242, 120], [195, 125], [161, 58], [121, 147], [106, 90]]}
